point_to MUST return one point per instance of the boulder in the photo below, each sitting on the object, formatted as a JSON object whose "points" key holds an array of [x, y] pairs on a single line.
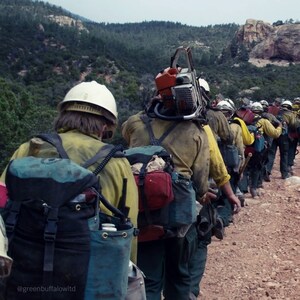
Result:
{"points": [[283, 43], [269, 43]]}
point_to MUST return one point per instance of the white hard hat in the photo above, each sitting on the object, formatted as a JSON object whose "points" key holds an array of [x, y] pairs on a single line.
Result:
{"points": [[203, 83], [91, 93], [256, 107], [296, 100], [5, 260], [225, 105], [287, 103], [264, 102], [231, 103]]}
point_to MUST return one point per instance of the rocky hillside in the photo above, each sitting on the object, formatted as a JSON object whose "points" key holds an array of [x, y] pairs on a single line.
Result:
{"points": [[269, 44]]}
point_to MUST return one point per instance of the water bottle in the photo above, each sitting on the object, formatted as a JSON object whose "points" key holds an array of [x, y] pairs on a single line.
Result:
{"points": [[109, 227]]}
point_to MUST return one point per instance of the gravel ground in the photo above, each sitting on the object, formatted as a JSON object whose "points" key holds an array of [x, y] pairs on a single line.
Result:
{"points": [[259, 258]]}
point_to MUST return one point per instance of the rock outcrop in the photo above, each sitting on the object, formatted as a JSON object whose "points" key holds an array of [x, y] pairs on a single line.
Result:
{"points": [[67, 21], [274, 44]]}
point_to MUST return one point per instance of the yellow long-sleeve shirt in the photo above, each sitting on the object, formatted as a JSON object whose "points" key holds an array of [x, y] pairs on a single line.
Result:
{"points": [[187, 143], [266, 127], [82, 147], [217, 169]]}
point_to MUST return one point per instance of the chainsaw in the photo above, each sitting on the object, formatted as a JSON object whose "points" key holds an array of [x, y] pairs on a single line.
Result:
{"points": [[179, 90]]}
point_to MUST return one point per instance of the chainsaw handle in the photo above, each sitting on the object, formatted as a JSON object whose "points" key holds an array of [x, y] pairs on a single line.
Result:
{"points": [[188, 54], [174, 118]]}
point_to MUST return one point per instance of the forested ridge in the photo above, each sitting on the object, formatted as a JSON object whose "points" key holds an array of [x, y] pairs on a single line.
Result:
{"points": [[41, 57]]}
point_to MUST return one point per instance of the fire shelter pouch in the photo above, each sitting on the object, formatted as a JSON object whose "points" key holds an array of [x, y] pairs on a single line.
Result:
{"points": [[182, 209]]}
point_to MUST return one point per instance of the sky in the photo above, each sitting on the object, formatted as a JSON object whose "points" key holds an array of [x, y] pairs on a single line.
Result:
{"points": [[188, 12]]}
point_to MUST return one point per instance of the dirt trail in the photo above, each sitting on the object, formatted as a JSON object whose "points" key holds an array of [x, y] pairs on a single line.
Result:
{"points": [[259, 258]]}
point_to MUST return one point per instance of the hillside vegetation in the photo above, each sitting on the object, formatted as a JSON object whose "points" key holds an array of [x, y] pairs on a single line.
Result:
{"points": [[45, 50]]}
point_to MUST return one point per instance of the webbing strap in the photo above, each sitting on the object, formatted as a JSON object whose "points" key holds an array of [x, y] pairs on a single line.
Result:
{"points": [[141, 183], [122, 203], [106, 152], [153, 139], [49, 238], [101, 154], [156, 142], [12, 219], [111, 153], [55, 140]]}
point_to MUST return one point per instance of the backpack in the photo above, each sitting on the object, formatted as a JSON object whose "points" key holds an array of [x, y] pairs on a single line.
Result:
{"points": [[51, 202], [259, 144], [154, 186], [230, 155], [161, 189], [251, 119]]}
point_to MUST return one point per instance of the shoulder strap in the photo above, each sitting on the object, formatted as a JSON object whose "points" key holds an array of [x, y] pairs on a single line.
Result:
{"points": [[55, 140], [109, 151], [112, 150], [106, 152], [153, 140]]}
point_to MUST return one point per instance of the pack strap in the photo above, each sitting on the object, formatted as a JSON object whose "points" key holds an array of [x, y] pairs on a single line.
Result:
{"points": [[112, 150], [102, 153], [108, 153], [49, 238], [153, 140], [122, 203], [156, 142], [141, 183], [55, 140], [12, 219]]}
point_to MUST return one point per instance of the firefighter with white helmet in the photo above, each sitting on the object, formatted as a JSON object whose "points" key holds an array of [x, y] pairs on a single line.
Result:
{"points": [[275, 122], [87, 115], [226, 107], [95, 99], [256, 107], [287, 105], [267, 115], [264, 103], [257, 163], [216, 120], [291, 122], [161, 260], [287, 142]]}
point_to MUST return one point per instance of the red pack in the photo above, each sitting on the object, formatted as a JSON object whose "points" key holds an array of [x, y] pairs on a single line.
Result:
{"points": [[3, 195], [157, 189], [274, 110], [246, 114]]}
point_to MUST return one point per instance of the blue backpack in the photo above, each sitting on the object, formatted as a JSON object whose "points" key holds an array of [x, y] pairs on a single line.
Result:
{"points": [[259, 143], [53, 203]]}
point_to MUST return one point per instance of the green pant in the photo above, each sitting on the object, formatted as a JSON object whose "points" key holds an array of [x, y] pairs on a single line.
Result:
{"points": [[166, 268], [198, 261]]}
